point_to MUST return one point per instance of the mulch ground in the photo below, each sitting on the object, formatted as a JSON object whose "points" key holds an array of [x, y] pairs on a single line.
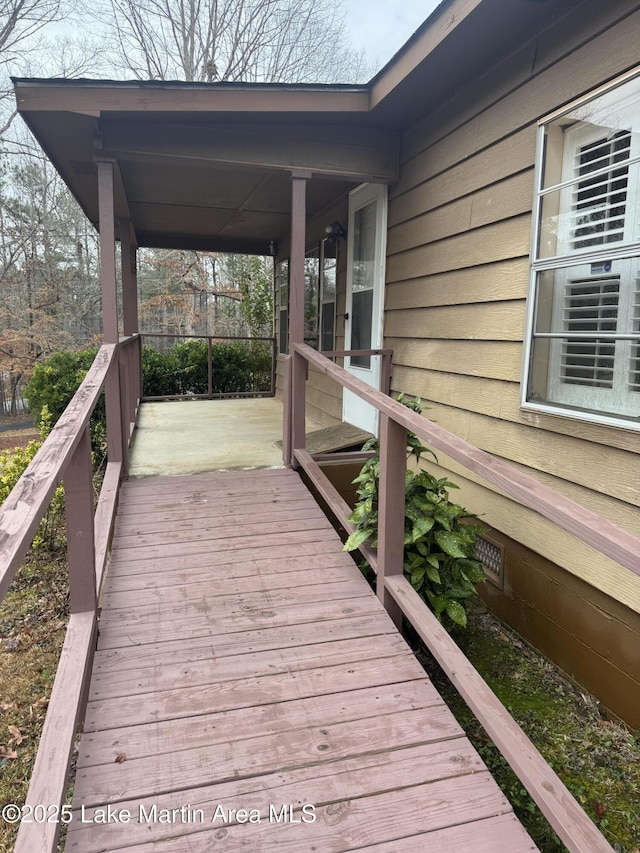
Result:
{"points": [[17, 437], [20, 438]]}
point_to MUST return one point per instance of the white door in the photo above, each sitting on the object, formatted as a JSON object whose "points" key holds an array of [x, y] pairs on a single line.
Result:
{"points": [[366, 238]]}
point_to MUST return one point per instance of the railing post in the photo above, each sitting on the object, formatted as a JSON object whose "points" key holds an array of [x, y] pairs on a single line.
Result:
{"points": [[299, 180], [391, 496], [107, 252], [298, 391], [123, 392], [140, 368], [113, 404], [129, 280], [78, 496], [287, 447], [209, 367], [274, 358]]}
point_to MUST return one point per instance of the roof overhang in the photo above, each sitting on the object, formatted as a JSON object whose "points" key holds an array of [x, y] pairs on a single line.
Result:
{"points": [[208, 166]]}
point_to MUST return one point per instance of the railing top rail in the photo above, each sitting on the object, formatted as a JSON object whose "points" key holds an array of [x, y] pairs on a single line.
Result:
{"points": [[598, 532], [24, 508], [206, 337]]}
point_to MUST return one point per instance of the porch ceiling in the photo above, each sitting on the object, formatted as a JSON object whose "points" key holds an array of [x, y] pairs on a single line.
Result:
{"points": [[204, 179], [207, 166]]}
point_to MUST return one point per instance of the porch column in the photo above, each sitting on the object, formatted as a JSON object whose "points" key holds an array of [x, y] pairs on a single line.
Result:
{"points": [[129, 280], [113, 402], [108, 279], [298, 365], [132, 352]]}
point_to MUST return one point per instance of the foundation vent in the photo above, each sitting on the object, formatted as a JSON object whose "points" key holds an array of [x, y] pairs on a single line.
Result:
{"points": [[491, 555]]}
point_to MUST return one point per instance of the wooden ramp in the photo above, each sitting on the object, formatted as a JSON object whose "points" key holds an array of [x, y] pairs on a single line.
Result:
{"points": [[250, 693]]}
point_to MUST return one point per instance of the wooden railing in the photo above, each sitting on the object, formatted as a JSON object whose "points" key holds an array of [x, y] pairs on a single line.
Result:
{"points": [[210, 394], [66, 455], [565, 815], [296, 373]]}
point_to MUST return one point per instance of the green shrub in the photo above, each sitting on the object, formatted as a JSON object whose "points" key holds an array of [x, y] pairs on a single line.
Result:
{"points": [[236, 368], [439, 547], [51, 533], [55, 381], [192, 372], [52, 386], [159, 372], [260, 355]]}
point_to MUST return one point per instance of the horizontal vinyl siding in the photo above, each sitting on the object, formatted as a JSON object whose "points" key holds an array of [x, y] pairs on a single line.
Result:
{"points": [[457, 279]]}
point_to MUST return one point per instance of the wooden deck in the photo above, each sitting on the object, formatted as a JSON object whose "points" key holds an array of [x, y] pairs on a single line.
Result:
{"points": [[244, 664]]}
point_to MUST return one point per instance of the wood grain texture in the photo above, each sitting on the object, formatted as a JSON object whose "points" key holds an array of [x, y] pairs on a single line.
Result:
{"points": [[23, 509], [344, 779], [166, 736], [494, 282], [511, 197], [471, 173], [49, 777], [255, 679], [352, 824], [490, 359], [496, 242], [557, 804], [493, 321], [255, 756]]}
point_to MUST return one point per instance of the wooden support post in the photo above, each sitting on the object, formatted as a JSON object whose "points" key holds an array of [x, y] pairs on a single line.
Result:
{"points": [[109, 305], [296, 308], [129, 280], [130, 319], [78, 491], [298, 392], [107, 252], [287, 448], [113, 404], [209, 366], [393, 467], [123, 391]]}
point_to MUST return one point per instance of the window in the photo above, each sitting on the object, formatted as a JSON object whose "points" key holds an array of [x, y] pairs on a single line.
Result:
{"points": [[583, 352], [282, 302], [328, 295]]}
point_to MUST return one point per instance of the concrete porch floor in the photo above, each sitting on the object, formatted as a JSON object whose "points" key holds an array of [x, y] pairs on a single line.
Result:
{"points": [[194, 436]]}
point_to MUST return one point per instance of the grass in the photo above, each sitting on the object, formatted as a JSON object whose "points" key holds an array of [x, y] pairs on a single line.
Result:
{"points": [[597, 759], [33, 619]]}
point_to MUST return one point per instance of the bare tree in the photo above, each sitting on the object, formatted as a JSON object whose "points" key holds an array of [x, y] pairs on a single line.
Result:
{"points": [[231, 40], [21, 24]]}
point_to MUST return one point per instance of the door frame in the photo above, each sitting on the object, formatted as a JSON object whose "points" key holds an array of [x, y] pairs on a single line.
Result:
{"points": [[354, 410]]}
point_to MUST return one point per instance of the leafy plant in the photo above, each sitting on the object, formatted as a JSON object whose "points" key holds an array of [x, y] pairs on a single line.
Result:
{"points": [[55, 381], [439, 543], [237, 367], [50, 535], [53, 384]]}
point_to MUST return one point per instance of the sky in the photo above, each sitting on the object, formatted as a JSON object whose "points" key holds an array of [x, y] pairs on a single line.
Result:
{"points": [[381, 27]]}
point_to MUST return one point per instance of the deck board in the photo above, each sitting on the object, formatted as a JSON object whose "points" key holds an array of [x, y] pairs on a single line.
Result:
{"points": [[243, 663]]}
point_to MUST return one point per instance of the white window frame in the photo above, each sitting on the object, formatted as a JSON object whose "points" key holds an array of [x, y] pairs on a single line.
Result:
{"points": [[571, 264]]}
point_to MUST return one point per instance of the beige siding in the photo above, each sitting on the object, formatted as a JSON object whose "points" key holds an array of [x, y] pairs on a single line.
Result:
{"points": [[591, 46], [457, 279]]}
